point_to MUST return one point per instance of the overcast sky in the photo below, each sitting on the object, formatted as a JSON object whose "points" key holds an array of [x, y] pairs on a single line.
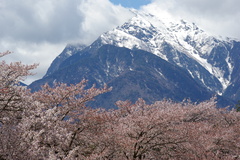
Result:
{"points": [[38, 30]]}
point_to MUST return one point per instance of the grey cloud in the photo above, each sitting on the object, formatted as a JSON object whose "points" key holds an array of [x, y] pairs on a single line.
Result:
{"points": [[57, 20], [38, 30], [33, 20]]}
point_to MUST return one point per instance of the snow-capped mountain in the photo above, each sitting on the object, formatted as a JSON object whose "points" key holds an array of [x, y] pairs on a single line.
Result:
{"points": [[152, 57], [206, 57]]}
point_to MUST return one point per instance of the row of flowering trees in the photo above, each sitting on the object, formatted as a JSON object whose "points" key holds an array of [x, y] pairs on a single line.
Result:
{"points": [[55, 123]]}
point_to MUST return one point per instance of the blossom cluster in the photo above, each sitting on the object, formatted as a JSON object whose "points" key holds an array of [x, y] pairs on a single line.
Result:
{"points": [[55, 123]]}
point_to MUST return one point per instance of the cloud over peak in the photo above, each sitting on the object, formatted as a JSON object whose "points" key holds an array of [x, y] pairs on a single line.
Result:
{"points": [[218, 17]]}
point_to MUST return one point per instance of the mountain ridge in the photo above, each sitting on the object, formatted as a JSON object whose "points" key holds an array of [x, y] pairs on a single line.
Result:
{"points": [[133, 74], [183, 37]]}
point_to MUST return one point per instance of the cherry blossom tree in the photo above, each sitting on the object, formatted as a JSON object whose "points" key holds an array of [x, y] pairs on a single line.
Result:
{"points": [[54, 125], [149, 131], [44, 124], [11, 93], [57, 123], [168, 130], [13, 101]]}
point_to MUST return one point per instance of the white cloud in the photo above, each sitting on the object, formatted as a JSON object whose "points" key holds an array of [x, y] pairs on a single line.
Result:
{"points": [[29, 53], [219, 17], [37, 21], [37, 31], [100, 16]]}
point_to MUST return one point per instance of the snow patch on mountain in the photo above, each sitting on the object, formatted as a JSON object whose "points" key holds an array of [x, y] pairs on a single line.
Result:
{"points": [[148, 32], [121, 39]]}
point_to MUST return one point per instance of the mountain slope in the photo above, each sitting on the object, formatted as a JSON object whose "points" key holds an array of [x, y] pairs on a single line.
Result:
{"points": [[133, 74], [68, 51], [233, 90]]}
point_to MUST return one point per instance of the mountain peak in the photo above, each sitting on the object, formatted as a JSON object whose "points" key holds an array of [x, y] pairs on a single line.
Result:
{"points": [[155, 33], [68, 51], [211, 62]]}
